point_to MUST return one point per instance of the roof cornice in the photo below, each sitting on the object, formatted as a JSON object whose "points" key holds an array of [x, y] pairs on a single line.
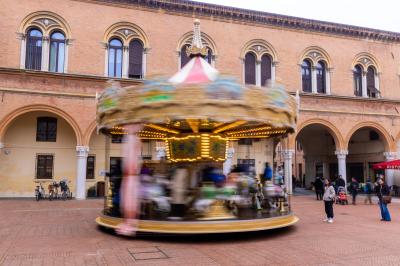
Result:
{"points": [[191, 8]]}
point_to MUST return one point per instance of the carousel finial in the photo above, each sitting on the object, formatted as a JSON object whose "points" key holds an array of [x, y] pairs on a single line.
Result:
{"points": [[197, 48]]}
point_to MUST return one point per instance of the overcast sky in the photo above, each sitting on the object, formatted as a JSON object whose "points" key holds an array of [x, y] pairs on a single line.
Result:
{"points": [[381, 14]]}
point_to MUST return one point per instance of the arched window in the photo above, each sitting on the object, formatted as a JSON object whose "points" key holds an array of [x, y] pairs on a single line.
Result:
{"points": [[266, 66], [115, 58], [184, 57], [372, 91], [33, 57], [135, 59], [57, 52], [357, 77], [306, 76], [321, 77], [209, 56], [250, 69]]}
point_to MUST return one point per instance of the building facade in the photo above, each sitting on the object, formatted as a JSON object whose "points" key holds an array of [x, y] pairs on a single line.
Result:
{"points": [[55, 56]]}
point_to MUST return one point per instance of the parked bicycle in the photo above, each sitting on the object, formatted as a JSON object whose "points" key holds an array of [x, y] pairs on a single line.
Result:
{"points": [[53, 190], [39, 192], [65, 191]]}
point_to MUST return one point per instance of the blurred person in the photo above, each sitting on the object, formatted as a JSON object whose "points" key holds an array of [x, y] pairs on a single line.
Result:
{"points": [[368, 188], [328, 197], [340, 183], [319, 188], [267, 176], [382, 191], [353, 188]]}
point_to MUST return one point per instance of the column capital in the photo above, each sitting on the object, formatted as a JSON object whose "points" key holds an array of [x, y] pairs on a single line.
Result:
{"points": [[287, 154], [389, 156], [82, 151], [341, 154]]}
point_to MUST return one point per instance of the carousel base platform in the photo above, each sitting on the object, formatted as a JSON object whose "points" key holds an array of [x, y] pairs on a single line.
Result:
{"points": [[204, 227]]}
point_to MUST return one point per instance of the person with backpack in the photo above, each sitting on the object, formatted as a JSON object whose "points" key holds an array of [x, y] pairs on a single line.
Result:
{"points": [[354, 189], [368, 188], [383, 191]]}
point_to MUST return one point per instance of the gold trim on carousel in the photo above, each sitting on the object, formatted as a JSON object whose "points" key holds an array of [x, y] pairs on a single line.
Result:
{"points": [[229, 126], [204, 227], [172, 131], [194, 124]]}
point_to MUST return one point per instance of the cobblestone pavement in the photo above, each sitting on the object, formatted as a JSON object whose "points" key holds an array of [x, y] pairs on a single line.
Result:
{"points": [[64, 233]]}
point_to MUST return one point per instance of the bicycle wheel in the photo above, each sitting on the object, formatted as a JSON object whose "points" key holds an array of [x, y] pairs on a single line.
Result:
{"points": [[64, 195]]}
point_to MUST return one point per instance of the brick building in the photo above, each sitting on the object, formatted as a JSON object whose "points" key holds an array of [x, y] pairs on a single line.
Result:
{"points": [[56, 55]]}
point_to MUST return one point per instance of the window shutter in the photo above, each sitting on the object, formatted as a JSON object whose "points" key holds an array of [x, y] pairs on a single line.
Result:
{"points": [[250, 69], [266, 65], [135, 59]]}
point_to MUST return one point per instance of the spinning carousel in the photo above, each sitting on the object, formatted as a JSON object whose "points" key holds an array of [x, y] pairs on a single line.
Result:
{"points": [[195, 117]]}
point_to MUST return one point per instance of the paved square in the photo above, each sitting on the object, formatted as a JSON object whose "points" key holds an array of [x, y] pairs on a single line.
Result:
{"points": [[64, 233]]}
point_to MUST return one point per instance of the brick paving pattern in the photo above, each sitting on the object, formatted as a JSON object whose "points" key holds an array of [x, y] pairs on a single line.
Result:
{"points": [[64, 233]]}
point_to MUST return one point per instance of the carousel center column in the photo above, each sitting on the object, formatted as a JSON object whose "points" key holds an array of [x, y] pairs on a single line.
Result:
{"points": [[341, 155], [228, 162], [389, 173], [82, 154], [288, 156]]}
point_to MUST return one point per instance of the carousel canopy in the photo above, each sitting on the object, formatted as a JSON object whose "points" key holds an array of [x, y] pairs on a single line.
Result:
{"points": [[197, 100]]}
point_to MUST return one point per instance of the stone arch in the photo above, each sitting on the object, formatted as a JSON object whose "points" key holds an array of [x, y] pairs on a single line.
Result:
{"points": [[46, 21], [205, 38], [88, 133], [259, 47], [6, 122], [366, 60], [334, 131], [315, 54], [126, 31], [388, 140]]}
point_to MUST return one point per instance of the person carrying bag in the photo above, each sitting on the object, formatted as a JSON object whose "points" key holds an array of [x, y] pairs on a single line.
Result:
{"points": [[382, 191]]}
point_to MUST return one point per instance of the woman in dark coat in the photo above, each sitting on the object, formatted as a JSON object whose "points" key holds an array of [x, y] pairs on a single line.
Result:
{"points": [[381, 190]]}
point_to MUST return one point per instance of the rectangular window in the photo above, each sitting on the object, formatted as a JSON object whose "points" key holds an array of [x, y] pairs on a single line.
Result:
{"points": [[117, 138], [245, 142], [90, 166], [46, 129], [44, 166]]}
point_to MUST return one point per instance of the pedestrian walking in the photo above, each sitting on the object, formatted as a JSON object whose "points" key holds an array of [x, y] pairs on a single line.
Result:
{"points": [[368, 188], [382, 191], [329, 197], [267, 175], [354, 190], [319, 188]]}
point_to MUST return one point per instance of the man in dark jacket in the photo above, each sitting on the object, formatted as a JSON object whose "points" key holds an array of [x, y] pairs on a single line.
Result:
{"points": [[319, 188], [353, 188], [340, 182]]}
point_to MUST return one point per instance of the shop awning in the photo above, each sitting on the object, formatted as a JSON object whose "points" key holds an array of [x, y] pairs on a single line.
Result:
{"points": [[387, 165]]}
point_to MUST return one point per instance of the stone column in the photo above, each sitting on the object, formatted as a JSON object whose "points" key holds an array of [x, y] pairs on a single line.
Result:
{"points": [[125, 61], [325, 167], [228, 162], [328, 81], [341, 155], [389, 173], [144, 63], [364, 84], [287, 157], [1, 145], [105, 46], [313, 80], [309, 170], [82, 154], [273, 72], [258, 73], [45, 53], [22, 55], [67, 44], [377, 85]]}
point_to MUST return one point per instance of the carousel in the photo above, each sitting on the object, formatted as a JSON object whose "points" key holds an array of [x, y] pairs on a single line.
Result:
{"points": [[194, 117]]}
